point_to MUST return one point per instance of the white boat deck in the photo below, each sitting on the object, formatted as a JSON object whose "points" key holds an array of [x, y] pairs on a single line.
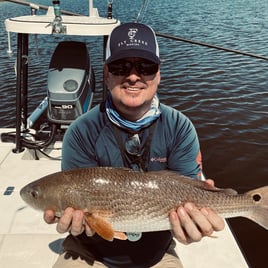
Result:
{"points": [[27, 241]]}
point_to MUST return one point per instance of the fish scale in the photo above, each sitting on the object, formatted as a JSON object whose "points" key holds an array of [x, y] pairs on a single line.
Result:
{"points": [[124, 200]]}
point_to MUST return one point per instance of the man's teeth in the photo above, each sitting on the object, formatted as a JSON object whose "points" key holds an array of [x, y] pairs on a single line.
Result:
{"points": [[133, 88]]}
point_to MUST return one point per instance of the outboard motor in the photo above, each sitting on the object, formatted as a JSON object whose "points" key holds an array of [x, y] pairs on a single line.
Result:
{"points": [[71, 82]]}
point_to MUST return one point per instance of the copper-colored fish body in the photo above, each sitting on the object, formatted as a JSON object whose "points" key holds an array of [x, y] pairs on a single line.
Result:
{"points": [[131, 201]]}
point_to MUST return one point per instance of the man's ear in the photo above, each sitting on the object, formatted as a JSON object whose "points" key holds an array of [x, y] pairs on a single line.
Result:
{"points": [[159, 77]]}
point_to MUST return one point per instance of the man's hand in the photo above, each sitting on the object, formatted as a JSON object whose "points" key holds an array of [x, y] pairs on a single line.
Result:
{"points": [[71, 221], [190, 224]]}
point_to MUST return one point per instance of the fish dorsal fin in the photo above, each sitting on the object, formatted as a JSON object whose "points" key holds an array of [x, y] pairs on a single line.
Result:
{"points": [[183, 179], [229, 191], [194, 182]]}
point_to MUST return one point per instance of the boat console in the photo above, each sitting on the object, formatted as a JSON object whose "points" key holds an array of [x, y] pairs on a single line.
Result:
{"points": [[71, 80]]}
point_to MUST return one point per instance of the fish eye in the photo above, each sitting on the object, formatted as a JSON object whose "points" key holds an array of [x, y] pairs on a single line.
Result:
{"points": [[256, 197], [34, 194]]}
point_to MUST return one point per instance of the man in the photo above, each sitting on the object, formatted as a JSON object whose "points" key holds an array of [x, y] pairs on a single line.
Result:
{"points": [[131, 129]]}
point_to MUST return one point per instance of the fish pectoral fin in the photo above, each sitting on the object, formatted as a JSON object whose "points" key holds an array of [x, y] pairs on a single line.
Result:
{"points": [[98, 224], [120, 235]]}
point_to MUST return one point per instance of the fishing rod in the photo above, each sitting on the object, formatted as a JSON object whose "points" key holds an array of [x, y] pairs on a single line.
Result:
{"points": [[211, 46], [38, 6], [172, 37]]}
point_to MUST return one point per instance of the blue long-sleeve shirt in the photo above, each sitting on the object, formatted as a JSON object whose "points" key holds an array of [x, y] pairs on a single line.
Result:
{"points": [[90, 142]]}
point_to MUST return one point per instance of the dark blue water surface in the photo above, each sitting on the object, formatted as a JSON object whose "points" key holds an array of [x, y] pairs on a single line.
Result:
{"points": [[225, 94]]}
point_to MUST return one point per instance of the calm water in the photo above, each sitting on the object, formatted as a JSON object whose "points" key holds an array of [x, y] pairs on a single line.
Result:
{"points": [[225, 95]]}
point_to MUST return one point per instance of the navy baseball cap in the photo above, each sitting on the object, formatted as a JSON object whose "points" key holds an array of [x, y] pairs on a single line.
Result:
{"points": [[132, 40]]}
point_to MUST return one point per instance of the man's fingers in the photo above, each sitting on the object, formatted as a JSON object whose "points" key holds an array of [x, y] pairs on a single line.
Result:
{"points": [[217, 222], [89, 231], [202, 225], [71, 221], [49, 217], [65, 221], [190, 224], [176, 225], [210, 183]]}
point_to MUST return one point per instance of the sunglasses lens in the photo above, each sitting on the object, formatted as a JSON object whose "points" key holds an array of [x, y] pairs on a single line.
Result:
{"points": [[120, 68], [146, 68], [132, 145], [124, 67]]}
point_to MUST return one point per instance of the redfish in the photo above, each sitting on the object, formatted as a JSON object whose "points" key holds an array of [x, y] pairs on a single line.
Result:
{"points": [[118, 200]]}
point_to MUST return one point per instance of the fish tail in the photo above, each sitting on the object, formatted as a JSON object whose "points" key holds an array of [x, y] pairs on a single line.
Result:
{"points": [[260, 212]]}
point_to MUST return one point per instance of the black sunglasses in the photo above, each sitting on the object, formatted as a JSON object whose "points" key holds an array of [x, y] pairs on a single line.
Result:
{"points": [[123, 67], [133, 149], [133, 145]]}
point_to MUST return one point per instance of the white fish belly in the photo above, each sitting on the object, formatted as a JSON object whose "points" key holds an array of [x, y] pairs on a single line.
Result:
{"points": [[142, 224]]}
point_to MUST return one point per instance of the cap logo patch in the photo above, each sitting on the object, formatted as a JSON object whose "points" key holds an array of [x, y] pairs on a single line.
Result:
{"points": [[132, 33], [132, 40]]}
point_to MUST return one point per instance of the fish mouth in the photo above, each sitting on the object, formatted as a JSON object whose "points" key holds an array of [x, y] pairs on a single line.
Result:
{"points": [[23, 193]]}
